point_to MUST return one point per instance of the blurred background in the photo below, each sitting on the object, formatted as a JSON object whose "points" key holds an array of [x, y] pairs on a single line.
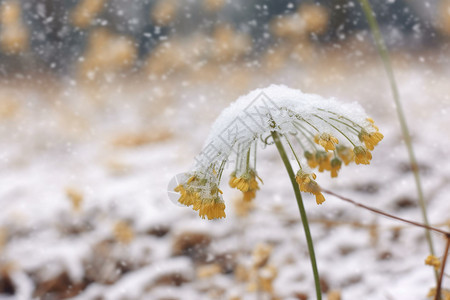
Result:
{"points": [[103, 101]]}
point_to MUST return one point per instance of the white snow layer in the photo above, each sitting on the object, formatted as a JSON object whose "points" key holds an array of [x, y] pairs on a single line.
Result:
{"points": [[274, 108]]}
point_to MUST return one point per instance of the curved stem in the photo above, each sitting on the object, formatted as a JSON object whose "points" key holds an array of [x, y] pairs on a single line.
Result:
{"points": [[247, 164], [298, 196], [382, 50], [293, 152]]}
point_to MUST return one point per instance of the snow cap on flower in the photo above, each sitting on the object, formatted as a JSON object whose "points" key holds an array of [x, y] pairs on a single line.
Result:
{"points": [[327, 132]]}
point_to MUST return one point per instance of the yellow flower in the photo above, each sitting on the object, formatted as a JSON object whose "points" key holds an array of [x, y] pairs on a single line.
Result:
{"points": [[362, 155], [326, 140], [336, 164], [204, 197], [241, 184], [346, 154], [311, 158], [183, 198], [248, 196], [319, 198], [434, 261], [370, 139], [323, 160], [307, 183], [246, 183], [212, 208], [188, 197], [303, 179], [232, 180]]}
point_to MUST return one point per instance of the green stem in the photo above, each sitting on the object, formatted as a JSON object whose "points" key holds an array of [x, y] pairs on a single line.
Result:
{"points": [[293, 152], [222, 166], [297, 126], [254, 154], [298, 196], [237, 159], [382, 50], [348, 125], [247, 165], [340, 131], [343, 117]]}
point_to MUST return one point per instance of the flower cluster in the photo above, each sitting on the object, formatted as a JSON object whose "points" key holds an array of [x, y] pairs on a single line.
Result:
{"points": [[328, 134], [246, 183], [204, 197], [307, 183]]}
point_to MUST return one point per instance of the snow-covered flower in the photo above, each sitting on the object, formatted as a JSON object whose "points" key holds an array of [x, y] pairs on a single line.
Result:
{"points": [[326, 140], [204, 195], [326, 132], [246, 183]]}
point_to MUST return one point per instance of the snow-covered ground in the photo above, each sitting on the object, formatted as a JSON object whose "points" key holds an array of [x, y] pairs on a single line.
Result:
{"points": [[85, 212]]}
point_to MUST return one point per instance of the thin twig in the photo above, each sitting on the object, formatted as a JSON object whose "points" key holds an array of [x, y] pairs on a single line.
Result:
{"points": [[441, 275], [375, 210]]}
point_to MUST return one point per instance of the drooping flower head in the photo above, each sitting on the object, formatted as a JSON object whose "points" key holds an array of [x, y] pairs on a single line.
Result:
{"points": [[246, 183], [308, 184], [327, 132]]}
